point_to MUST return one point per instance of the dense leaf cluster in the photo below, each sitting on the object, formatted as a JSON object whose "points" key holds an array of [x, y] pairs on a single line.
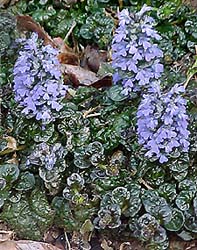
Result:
{"points": [[92, 168]]}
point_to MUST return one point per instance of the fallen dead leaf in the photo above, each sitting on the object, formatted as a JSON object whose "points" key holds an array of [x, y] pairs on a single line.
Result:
{"points": [[11, 142], [105, 245], [66, 56], [26, 23], [55, 236], [5, 3], [79, 76], [6, 235], [82, 77], [92, 58], [26, 245]]}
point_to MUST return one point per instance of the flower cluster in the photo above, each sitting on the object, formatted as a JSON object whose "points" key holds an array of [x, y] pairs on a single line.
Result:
{"points": [[162, 123], [135, 56], [47, 156], [38, 82]]}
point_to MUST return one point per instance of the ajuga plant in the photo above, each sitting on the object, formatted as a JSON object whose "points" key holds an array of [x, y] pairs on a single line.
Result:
{"points": [[38, 82], [161, 118]]}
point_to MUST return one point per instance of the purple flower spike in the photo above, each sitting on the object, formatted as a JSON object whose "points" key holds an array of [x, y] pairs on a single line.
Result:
{"points": [[38, 82], [162, 123], [135, 55]]}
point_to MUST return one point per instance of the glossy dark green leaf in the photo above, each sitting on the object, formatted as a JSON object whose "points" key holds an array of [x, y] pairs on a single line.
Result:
{"points": [[26, 182], [188, 185], [190, 221], [98, 27], [108, 217], [156, 205], [120, 195], [149, 230], [183, 200], [9, 172], [63, 215], [29, 217], [176, 222], [155, 176], [168, 191], [115, 93], [134, 206]]}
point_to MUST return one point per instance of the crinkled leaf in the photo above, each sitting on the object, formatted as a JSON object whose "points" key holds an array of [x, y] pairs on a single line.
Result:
{"points": [[120, 195], [176, 222], [168, 191], [190, 221], [155, 176], [63, 215], [183, 200], [26, 182], [115, 93], [188, 185], [156, 205], [30, 216], [9, 172]]}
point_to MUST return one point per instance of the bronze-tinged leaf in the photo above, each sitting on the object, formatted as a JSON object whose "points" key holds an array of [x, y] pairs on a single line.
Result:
{"points": [[68, 58], [26, 23]]}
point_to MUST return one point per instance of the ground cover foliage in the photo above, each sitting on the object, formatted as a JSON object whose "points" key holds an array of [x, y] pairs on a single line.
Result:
{"points": [[82, 167]]}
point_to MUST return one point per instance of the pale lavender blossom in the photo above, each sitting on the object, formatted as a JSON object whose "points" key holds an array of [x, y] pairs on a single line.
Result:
{"points": [[38, 82], [162, 123], [135, 55], [47, 156]]}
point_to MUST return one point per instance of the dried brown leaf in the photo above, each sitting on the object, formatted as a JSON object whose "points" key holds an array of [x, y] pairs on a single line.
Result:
{"points": [[11, 245], [6, 235], [105, 245], [63, 47], [66, 56], [56, 237], [82, 77], [11, 142], [79, 76], [26, 245], [92, 58], [5, 3], [26, 23]]}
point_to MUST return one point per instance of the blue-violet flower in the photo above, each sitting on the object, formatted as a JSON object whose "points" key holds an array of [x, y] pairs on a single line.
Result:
{"points": [[135, 56], [47, 156], [38, 82], [162, 123]]}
